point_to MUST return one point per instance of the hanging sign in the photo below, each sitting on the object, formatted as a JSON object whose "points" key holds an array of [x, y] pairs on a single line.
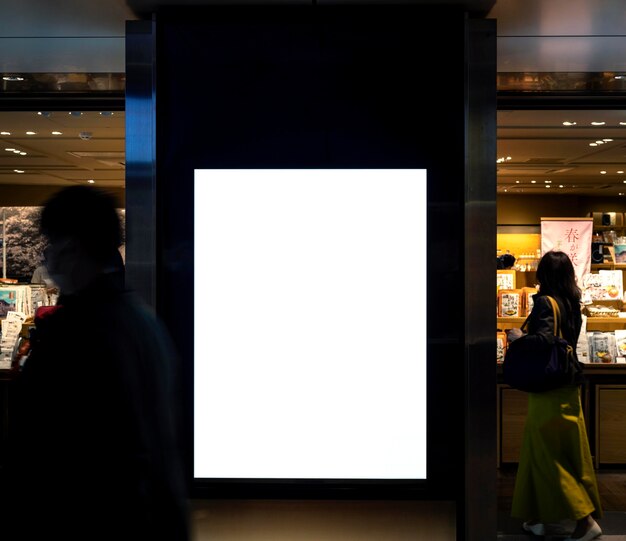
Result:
{"points": [[572, 236]]}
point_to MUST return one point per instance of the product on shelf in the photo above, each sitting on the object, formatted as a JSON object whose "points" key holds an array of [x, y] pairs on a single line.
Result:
{"points": [[620, 342], [602, 347], [510, 303], [505, 279], [501, 343], [598, 310], [11, 327], [604, 285], [527, 300]]}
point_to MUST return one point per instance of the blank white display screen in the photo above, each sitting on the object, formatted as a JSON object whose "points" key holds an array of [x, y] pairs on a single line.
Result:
{"points": [[310, 324]]}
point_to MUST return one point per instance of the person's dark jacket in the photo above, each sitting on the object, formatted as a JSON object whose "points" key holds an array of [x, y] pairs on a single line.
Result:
{"points": [[95, 425], [541, 322]]}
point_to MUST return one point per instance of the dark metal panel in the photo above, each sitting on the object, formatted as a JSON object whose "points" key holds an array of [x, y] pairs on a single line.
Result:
{"points": [[140, 161], [480, 283]]}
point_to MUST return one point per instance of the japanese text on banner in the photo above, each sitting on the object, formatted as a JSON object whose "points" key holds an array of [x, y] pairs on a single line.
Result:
{"points": [[572, 237]]}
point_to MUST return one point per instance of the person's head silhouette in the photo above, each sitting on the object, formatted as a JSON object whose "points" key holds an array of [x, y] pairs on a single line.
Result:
{"points": [[83, 231]]}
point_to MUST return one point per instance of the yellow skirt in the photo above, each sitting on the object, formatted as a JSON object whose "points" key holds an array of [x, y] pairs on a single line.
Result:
{"points": [[555, 478]]}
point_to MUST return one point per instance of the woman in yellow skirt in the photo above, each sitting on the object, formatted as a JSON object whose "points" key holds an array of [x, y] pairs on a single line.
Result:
{"points": [[555, 478]]}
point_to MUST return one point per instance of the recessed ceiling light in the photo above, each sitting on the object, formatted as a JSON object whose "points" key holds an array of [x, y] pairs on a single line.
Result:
{"points": [[16, 151], [603, 172], [593, 144], [22, 153], [533, 181], [548, 181], [548, 186], [567, 123], [598, 123], [12, 150], [561, 186], [12, 78], [57, 133], [31, 133], [517, 182], [91, 181], [600, 142], [18, 170], [5, 133], [607, 140]]}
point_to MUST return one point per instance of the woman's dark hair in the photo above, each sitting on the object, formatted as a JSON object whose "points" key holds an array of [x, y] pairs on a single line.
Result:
{"points": [[86, 214], [556, 277]]}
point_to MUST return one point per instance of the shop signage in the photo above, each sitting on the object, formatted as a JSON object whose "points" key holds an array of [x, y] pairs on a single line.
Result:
{"points": [[572, 236]]}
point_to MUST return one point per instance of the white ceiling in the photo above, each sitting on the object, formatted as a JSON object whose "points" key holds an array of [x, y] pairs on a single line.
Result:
{"points": [[61, 160], [543, 150]]}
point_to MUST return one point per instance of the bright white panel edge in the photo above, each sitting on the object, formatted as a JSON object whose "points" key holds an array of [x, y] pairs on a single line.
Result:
{"points": [[326, 267]]}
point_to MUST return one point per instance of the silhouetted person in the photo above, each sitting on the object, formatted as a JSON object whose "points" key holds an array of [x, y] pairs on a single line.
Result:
{"points": [[506, 261], [555, 478], [95, 425]]}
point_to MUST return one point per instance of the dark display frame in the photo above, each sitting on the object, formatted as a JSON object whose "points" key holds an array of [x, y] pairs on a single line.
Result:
{"points": [[354, 88]]}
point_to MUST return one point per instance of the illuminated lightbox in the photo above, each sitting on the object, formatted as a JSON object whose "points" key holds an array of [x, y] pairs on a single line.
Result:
{"points": [[310, 324]]}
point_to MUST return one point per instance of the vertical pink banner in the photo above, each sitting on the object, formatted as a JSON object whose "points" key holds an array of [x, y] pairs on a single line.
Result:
{"points": [[572, 236]]}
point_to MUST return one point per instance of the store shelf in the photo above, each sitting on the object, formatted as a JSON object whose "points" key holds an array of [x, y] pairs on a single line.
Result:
{"points": [[611, 266], [593, 323]]}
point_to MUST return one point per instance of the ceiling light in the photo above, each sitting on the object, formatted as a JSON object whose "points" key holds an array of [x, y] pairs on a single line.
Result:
{"points": [[533, 181], [603, 172], [44, 113], [5, 133], [548, 186], [607, 140], [91, 181], [598, 123], [561, 186], [517, 182], [620, 172], [593, 144], [22, 153], [31, 133], [12, 78], [18, 170], [16, 152], [12, 150], [548, 181], [566, 123], [57, 133], [75, 113], [622, 123]]}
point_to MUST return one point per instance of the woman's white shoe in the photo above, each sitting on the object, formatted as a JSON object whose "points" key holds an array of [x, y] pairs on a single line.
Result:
{"points": [[537, 529], [592, 533]]}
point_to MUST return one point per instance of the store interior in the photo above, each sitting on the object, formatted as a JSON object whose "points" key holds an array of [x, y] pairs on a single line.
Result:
{"points": [[567, 163]]}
